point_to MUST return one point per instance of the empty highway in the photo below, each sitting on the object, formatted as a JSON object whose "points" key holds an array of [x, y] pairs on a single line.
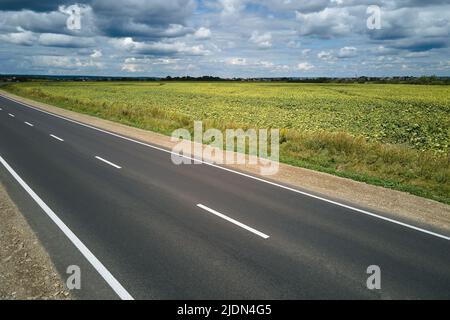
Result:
{"points": [[141, 227]]}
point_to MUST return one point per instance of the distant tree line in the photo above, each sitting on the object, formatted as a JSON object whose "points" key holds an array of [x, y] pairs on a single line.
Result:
{"points": [[429, 80]]}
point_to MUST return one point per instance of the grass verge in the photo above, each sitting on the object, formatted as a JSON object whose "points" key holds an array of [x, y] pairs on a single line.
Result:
{"points": [[397, 166]]}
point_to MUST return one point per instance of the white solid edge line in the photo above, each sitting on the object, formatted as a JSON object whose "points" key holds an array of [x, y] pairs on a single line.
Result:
{"points": [[27, 123], [101, 269], [259, 233], [240, 173], [108, 162], [55, 137]]}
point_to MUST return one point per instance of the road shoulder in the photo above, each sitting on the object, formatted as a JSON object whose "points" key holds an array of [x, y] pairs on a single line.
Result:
{"points": [[26, 271]]}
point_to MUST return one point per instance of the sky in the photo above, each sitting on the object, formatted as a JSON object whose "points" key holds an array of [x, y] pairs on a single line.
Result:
{"points": [[226, 38]]}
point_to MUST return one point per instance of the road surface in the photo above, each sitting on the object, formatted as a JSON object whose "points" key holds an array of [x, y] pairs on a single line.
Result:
{"points": [[141, 227]]}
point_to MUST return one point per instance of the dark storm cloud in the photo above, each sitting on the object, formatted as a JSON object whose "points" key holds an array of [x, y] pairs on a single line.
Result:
{"points": [[224, 37], [36, 5], [33, 21], [420, 3], [141, 17], [112, 18], [418, 45], [144, 11]]}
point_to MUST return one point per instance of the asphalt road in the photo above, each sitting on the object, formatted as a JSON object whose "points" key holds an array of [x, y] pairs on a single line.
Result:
{"points": [[150, 229]]}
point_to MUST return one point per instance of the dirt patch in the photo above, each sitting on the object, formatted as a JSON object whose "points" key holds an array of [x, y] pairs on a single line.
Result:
{"points": [[26, 271], [398, 204]]}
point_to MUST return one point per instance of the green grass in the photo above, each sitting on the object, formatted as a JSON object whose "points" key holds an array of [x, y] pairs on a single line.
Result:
{"points": [[395, 136]]}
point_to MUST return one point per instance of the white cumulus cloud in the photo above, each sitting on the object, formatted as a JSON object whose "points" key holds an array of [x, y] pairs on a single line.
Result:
{"points": [[263, 41], [202, 33], [305, 66]]}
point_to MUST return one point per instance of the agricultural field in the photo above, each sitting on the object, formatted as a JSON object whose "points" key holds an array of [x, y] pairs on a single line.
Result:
{"points": [[397, 136]]}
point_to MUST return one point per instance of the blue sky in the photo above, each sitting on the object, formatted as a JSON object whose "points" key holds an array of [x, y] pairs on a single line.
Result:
{"points": [[227, 38]]}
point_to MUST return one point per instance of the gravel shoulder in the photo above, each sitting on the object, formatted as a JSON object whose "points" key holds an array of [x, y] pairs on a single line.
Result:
{"points": [[395, 204], [26, 271]]}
